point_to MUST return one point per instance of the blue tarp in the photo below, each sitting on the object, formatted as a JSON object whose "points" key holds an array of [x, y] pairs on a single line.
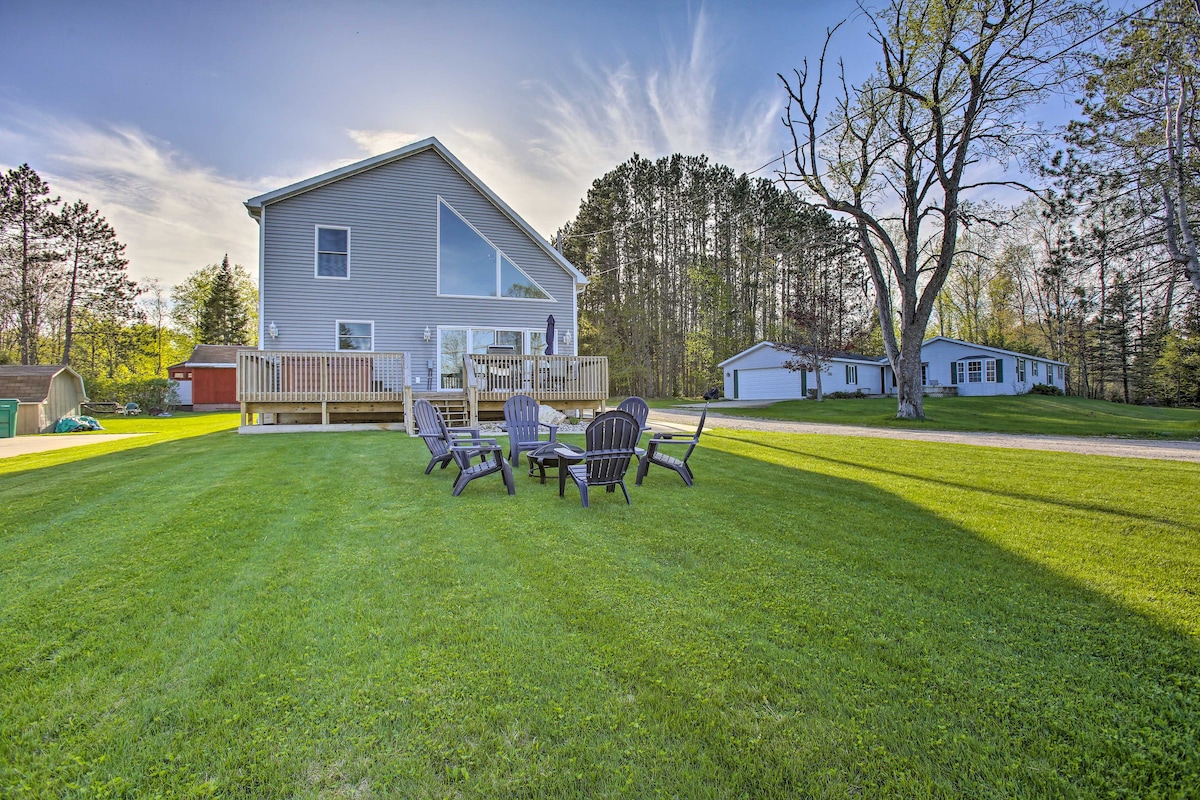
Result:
{"points": [[72, 424]]}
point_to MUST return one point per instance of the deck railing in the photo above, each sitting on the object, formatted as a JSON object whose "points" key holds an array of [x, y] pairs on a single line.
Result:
{"points": [[563, 378], [288, 376]]}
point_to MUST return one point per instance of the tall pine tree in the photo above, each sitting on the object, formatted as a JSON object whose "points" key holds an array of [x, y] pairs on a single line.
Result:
{"points": [[224, 318]]}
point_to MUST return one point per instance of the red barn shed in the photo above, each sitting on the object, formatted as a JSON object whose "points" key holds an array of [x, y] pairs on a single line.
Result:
{"points": [[212, 373]]}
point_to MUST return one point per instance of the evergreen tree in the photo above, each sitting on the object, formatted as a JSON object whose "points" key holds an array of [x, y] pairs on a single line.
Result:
{"points": [[224, 318], [27, 249]]}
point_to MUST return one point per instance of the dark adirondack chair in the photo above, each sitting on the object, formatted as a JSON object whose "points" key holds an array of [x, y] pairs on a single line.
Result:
{"points": [[609, 440], [524, 428], [436, 435], [636, 407], [654, 455], [459, 445]]}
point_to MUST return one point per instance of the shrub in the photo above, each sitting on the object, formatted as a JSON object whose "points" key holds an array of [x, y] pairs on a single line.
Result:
{"points": [[146, 392], [1045, 388], [857, 394]]}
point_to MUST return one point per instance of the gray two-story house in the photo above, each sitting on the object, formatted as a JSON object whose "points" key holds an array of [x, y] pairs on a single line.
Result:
{"points": [[404, 274]]}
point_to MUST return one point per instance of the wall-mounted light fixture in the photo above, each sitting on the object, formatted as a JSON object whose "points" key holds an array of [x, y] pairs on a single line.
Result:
{"points": [[427, 333], [273, 330], [566, 337]]}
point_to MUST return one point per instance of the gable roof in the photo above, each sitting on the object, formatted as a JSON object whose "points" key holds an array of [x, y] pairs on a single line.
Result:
{"points": [[215, 355], [1000, 350], [31, 384], [839, 355], [255, 205]]}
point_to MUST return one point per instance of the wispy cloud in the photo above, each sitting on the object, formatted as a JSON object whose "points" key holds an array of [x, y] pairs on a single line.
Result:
{"points": [[594, 118], [173, 215]]}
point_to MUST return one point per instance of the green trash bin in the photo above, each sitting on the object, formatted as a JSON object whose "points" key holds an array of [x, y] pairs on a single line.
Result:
{"points": [[8, 418]]}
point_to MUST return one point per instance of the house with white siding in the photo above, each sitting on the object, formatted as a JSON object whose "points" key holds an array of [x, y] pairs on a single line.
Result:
{"points": [[758, 373], [948, 366], [404, 274]]}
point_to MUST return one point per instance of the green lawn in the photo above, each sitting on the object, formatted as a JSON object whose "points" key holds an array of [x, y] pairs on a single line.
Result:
{"points": [[1065, 416], [204, 614]]}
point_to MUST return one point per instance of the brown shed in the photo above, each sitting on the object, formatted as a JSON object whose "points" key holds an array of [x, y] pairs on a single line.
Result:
{"points": [[47, 394]]}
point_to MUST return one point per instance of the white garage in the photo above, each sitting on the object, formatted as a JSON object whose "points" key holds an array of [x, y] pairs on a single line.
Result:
{"points": [[758, 373]]}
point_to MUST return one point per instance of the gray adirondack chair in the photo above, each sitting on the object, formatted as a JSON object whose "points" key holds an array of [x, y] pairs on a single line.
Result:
{"points": [[654, 454], [524, 428], [460, 446], [609, 439]]}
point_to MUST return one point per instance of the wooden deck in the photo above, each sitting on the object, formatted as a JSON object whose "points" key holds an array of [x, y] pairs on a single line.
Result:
{"points": [[322, 389]]}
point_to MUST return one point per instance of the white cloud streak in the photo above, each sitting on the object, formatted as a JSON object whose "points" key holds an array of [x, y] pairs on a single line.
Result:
{"points": [[174, 216]]}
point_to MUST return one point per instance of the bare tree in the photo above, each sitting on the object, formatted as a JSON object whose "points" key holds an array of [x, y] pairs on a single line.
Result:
{"points": [[900, 153]]}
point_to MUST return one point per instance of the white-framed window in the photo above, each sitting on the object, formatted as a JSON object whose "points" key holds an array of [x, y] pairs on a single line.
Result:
{"points": [[974, 372], [851, 374], [1059, 371], [1021, 370], [333, 252], [1034, 368], [990, 370], [354, 334], [469, 265]]}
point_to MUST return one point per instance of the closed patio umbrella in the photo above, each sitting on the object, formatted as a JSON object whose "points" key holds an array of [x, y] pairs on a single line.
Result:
{"points": [[550, 335]]}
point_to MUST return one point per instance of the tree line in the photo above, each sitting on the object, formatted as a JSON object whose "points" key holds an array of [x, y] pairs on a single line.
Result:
{"points": [[689, 263], [66, 296]]}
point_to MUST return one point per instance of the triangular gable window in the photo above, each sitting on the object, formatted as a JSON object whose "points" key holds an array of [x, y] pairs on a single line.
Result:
{"points": [[469, 265]]}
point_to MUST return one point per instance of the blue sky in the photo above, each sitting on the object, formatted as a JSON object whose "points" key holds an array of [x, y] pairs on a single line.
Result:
{"points": [[166, 116]]}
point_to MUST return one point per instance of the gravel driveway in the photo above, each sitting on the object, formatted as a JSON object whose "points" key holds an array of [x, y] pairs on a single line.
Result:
{"points": [[685, 419]]}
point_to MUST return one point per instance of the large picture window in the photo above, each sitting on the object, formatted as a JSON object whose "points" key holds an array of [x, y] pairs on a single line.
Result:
{"points": [[355, 335], [471, 266], [333, 252]]}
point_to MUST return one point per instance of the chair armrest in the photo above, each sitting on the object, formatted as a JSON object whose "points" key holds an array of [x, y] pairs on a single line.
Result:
{"points": [[473, 443], [458, 433], [669, 438], [553, 430]]}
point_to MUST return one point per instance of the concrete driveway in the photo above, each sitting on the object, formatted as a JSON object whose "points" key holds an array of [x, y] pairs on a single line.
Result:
{"points": [[24, 445], [685, 419]]}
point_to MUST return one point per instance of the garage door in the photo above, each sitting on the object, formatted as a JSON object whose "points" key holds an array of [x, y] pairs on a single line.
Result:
{"points": [[773, 383]]}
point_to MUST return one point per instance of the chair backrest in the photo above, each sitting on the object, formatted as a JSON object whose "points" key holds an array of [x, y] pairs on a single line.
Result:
{"points": [[610, 439], [431, 427], [521, 421], [696, 439], [636, 407]]}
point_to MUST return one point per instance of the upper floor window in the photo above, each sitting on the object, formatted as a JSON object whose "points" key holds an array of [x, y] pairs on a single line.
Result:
{"points": [[333, 252], [469, 265], [353, 335]]}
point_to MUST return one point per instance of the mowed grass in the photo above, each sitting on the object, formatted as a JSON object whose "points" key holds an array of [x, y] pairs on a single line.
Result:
{"points": [[309, 615], [1038, 414]]}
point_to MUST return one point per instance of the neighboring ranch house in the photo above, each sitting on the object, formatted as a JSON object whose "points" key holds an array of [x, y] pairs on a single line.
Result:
{"points": [[948, 366], [975, 369], [208, 379], [404, 274], [46, 395], [758, 374]]}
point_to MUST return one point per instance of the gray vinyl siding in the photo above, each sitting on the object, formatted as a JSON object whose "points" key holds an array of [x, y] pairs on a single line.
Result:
{"points": [[392, 212]]}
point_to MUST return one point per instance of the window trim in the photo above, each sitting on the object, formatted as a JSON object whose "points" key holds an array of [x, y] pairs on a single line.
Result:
{"points": [[1034, 368], [852, 375], [500, 254], [337, 336], [989, 369], [1020, 370], [975, 371], [317, 252]]}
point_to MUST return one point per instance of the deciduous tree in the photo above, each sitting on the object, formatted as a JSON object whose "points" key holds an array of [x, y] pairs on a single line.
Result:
{"points": [[899, 152]]}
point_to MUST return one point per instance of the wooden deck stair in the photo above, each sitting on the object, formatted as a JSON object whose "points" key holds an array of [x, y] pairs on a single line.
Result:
{"points": [[454, 410]]}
